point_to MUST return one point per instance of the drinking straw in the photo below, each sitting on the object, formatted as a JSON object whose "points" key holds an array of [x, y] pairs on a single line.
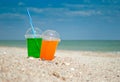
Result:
{"points": [[33, 30], [31, 23]]}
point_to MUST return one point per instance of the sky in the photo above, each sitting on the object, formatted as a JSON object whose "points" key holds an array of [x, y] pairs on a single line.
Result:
{"points": [[72, 19]]}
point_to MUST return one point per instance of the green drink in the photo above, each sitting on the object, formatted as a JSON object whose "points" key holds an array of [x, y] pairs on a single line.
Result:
{"points": [[34, 42], [34, 47]]}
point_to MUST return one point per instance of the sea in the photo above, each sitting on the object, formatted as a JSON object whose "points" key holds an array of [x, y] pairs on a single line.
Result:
{"points": [[76, 45]]}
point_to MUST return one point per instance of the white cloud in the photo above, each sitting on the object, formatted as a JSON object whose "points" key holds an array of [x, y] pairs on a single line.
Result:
{"points": [[36, 10], [21, 3], [49, 11], [78, 5], [12, 15], [83, 9], [65, 12], [84, 13], [74, 5], [110, 1], [41, 10], [88, 10]]}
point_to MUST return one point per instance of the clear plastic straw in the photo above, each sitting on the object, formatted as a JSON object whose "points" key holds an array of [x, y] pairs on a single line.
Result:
{"points": [[31, 23], [32, 27]]}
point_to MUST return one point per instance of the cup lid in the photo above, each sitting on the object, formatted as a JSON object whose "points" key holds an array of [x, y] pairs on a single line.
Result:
{"points": [[29, 33], [50, 35]]}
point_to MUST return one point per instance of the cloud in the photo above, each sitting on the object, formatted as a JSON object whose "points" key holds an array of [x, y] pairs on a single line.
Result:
{"points": [[12, 16], [36, 10], [84, 13], [21, 4], [83, 9], [63, 11], [78, 6], [49, 9], [74, 5], [102, 1], [110, 1], [93, 9]]}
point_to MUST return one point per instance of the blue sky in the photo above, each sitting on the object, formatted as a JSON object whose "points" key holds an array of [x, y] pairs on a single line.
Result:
{"points": [[73, 19]]}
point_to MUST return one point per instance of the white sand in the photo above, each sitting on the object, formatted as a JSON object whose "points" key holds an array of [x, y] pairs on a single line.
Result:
{"points": [[68, 66]]}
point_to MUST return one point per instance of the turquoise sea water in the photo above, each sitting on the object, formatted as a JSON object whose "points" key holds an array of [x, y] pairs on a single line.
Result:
{"points": [[79, 45]]}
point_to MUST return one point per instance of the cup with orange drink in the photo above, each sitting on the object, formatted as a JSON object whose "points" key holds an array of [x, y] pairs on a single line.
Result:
{"points": [[49, 44]]}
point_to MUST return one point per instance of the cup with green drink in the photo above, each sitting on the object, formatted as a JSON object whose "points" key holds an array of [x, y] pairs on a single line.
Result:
{"points": [[34, 42]]}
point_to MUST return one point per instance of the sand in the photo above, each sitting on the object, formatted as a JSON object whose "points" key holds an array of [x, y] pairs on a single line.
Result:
{"points": [[68, 66]]}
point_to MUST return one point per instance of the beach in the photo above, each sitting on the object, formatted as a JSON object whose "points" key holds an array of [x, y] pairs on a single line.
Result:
{"points": [[67, 66]]}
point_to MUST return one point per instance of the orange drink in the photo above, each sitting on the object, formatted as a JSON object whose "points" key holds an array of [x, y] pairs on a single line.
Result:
{"points": [[49, 44], [48, 49]]}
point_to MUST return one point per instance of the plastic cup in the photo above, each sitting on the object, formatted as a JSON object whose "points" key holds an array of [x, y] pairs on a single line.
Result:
{"points": [[34, 42], [49, 44]]}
